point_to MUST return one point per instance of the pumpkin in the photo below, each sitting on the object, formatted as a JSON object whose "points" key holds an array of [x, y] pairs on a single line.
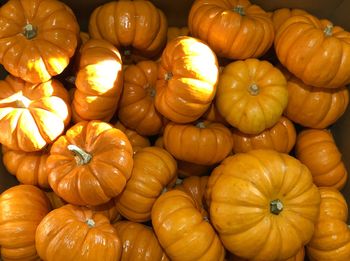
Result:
{"points": [[139, 242], [204, 143], [251, 95], [159, 142], [76, 233], [318, 151], [55, 201], [279, 16], [280, 137], [174, 32], [315, 51], [22, 207], [188, 169], [137, 110], [263, 204], [99, 82], [212, 114], [37, 38], [154, 171], [94, 154], [28, 167], [298, 257], [182, 231], [314, 107], [333, 204], [234, 29], [32, 115], [108, 210], [136, 26], [137, 141], [187, 79]]}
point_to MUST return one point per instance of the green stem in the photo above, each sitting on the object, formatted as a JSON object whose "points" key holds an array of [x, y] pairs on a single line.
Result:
{"points": [[254, 89], [200, 125], [90, 223], [239, 9], [81, 156], [328, 31], [168, 76], [29, 31], [276, 206]]}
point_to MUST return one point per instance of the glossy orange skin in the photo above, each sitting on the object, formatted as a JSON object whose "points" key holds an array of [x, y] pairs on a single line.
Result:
{"points": [[212, 114], [46, 54], [205, 145], [138, 25], [182, 231], [104, 176], [64, 234], [22, 208], [319, 152], [174, 32], [315, 107], [154, 171], [229, 33], [251, 110], [188, 169], [280, 137], [187, 78], [55, 201], [318, 59], [108, 210], [28, 167], [137, 110], [300, 256], [279, 16], [33, 115], [139, 242], [242, 189], [99, 81], [333, 204]]}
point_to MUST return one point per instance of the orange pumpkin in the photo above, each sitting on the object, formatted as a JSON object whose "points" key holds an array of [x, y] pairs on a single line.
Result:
{"points": [[187, 79], [174, 32], [182, 231], [56, 201], [22, 208], [212, 114], [251, 95], [32, 115], [263, 204], [94, 154], [300, 256], [76, 233], [28, 167], [99, 82], [137, 26], [315, 51], [279, 16], [235, 29], [280, 137], [188, 169], [315, 107], [136, 109], [139, 242], [37, 38], [333, 204], [205, 143], [154, 170], [318, 151], [108, 210]]}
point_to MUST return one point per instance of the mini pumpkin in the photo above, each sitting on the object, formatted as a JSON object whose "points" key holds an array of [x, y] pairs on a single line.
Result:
{"points": [[333, 204], [300, 256], [174, 32], [108, 210], [188, 169], [279, 16], [94, 154]]}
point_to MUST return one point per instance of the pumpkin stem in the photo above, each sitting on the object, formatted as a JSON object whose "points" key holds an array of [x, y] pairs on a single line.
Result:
{"points": [[239, 9], [168, 76], [254, 89], [81, 156], [22, 102], [151, 91], [328, 31], [200, 125], [29, 31], [70, 79], [178, 181], [90, 223], [276, 206]]}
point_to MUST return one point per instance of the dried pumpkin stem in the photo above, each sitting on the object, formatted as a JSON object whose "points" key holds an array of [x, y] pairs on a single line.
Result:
{"points": [[81, 156], [200, 125], [152, 92], [328, 31], [254, 89], [276, 206], [29, 31], [239, 9], [90, 223], [168, 76], [178, 181]]}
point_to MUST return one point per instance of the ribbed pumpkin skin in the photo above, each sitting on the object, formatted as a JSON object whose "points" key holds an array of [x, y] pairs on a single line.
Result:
{"points": [[315, 51], [174, 32], [279, 16], [154, 170], [333, 204], [315, 107], [263, 204], [22, 208], [280, 137], [144, 31], [182, 231], [139, 242], [300, 256], [318, 151], [55, 201], [76, 233], [188, 169], [234, 29], [137, 110]]}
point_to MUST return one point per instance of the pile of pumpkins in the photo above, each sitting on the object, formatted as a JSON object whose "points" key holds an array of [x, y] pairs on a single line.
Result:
{"points": [[140, 141]]}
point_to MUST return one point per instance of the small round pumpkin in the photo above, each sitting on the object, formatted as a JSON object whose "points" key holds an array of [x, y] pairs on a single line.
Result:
{"points": [[94, 154], [318, 151], [333, 204], [300, 256], [76, 233], [108, 210], [182, 231], [22, 208], [204, 143], [139, 242], [279, 16], [280, 137], [174, 32], [251, 95], [187, 78], [154, 170]]}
